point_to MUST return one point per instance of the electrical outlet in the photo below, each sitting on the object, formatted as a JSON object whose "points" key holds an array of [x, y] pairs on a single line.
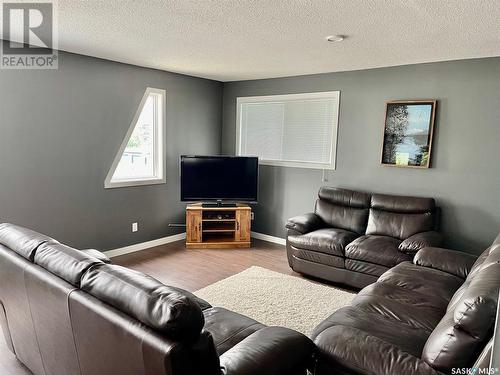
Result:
{"points": [[252, 215], [324, 178], [135, 227]]}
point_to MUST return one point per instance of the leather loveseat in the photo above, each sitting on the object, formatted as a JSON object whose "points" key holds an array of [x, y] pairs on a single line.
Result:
{"points": [[64, 312], [432, 316], [353, 237]]}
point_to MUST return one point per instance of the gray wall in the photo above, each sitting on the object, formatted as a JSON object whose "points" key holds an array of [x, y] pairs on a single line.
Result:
{"points": [[465, 177], [60, 130], [59, 133]]}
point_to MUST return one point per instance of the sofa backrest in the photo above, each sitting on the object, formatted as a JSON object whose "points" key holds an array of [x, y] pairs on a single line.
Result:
{"points": [[23, 241], [400, 217], [486, 258], [35, 298], [65, 262], [468, 324], [342, 208], [112, 342], [54, 326], [146, 299]]}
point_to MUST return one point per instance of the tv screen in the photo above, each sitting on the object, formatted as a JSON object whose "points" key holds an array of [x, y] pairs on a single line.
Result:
{"points": [[208, 178]]}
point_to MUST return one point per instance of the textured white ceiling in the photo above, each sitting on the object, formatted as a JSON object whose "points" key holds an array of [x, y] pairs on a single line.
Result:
{"points": [[243, 39]]}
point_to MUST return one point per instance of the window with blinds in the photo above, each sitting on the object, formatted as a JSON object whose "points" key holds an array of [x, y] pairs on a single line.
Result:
{"points": [[298, 130]]}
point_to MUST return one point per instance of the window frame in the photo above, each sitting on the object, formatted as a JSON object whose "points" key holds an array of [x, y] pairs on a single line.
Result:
{"points": [[284, 97], [159, 150]]}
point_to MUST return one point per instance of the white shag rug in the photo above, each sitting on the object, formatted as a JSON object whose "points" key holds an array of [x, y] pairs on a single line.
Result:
{"points": [[276, 299]]}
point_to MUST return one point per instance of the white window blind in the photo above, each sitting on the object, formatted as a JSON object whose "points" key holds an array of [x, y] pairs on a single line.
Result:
{"points": [[298, 130]]}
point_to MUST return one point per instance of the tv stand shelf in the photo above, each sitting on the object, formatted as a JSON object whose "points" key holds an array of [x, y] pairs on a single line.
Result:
{"points": [[217, 227], [217, 230], [218, 220]]}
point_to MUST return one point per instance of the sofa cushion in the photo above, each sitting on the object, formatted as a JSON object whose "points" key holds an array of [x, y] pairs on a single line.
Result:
{"points": [[397, 315], [380, 250], [328, 240], [419, 241], [158, 306], [228, 328], [468, 324], [97, 254], [342, 208], [415, 309], [400, 217], [422, 280], [398, 225], [305, 223], [487, 257], [202, 304], [271, 350], [424, 301], [347, 350], [365, 267], [454, 262], [407, 336], [344, 197], [402, 204], [64, 261], [316, 257], [352, 219], [21, 240]]}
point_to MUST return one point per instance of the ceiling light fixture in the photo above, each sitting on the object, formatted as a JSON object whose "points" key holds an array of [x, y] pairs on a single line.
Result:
{"points": [[336, 38]]}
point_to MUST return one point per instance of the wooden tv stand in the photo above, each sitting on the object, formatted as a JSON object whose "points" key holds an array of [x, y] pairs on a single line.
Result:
{"points": [[217, 227]]}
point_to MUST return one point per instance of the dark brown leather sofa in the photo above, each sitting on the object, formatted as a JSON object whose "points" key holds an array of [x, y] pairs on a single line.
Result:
{"points": [[353, 237], [64, 312], [435, 315]]}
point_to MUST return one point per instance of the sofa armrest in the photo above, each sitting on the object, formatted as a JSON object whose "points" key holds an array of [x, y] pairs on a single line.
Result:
{"points": [[97, 254], [305, 223], [453, 262], [269, 351], [420, 240], [350, 350]]}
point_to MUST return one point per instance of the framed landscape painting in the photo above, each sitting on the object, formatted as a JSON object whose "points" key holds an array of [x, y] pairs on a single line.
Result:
{"points": [[408, 130]]}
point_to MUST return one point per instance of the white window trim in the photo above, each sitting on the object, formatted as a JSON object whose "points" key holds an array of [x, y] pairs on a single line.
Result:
{"points": [[160, 147], [301, 96]]}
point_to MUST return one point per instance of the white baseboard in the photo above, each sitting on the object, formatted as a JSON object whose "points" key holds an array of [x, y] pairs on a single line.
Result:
{"points": [[145, 245], [268, 238], [178, 237]]}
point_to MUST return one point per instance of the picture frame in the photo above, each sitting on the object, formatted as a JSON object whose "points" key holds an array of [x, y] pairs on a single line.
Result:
{"points": [[408, 133]]}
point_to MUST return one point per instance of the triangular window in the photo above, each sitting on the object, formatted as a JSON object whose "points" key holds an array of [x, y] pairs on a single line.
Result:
{"points": [[141, 157]]}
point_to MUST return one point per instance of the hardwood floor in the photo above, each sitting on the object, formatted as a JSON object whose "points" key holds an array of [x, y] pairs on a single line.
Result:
{"points": [[188, 269], [194, 269]]}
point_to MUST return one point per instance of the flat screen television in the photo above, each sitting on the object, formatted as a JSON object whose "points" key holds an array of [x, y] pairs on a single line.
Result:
{"points": [[219, 178]]}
